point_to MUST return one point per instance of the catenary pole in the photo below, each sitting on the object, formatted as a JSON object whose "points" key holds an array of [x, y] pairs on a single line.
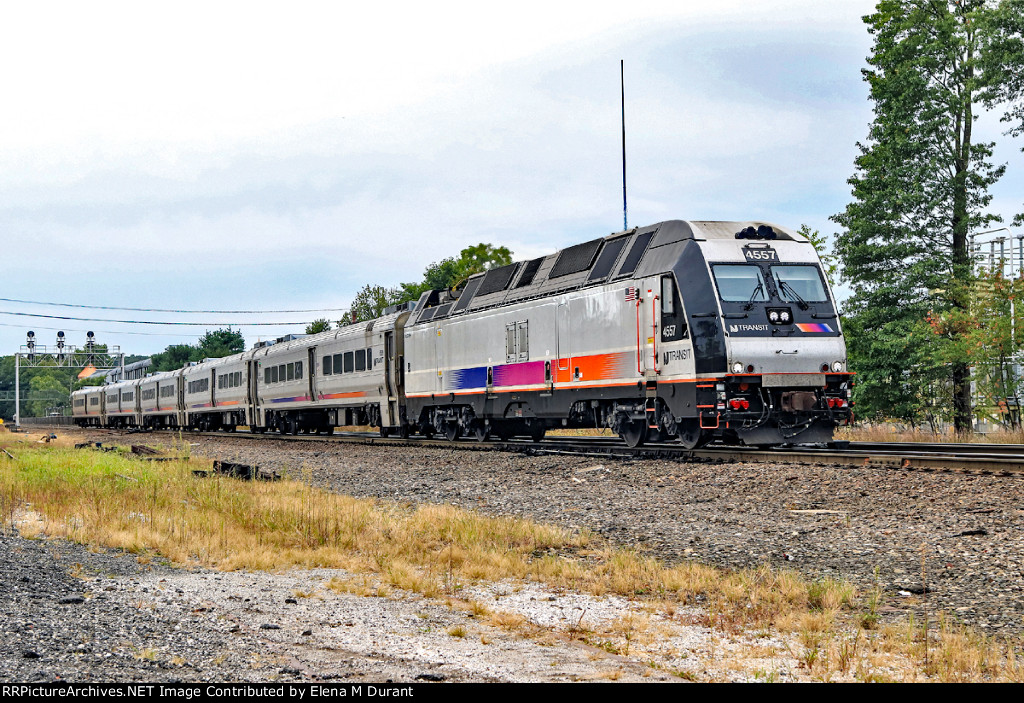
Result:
{"points": [[622, 85]]}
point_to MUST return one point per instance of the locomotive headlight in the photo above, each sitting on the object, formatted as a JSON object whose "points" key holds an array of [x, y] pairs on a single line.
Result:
{"points": [[784, 316], [837, 366], [773, 316], [737, 367]]}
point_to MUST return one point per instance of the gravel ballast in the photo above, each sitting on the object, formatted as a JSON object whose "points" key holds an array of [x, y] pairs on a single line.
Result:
{"points": [[956, 536], [77, 614]]}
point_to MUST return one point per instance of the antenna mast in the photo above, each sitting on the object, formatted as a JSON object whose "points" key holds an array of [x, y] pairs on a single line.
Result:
{"points": [[622, 82]]}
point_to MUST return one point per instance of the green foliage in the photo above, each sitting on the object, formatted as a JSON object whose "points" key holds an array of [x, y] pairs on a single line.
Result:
{"points": [[829, 261], [370, 301], [212, 345], [991, 340], [1002, 66], [369, 304], [46, 390], [318, 326], [920, 187], [222, 342]]}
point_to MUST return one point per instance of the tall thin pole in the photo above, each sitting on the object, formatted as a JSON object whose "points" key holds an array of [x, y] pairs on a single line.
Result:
{"points": [[622, 83], [17, 390]]}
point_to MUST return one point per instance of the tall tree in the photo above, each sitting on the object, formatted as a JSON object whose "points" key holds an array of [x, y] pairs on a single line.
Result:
{"points": [[222, 342], [920, 188], [319, 325], [212, 345], [371, 300], [1002, 66]]}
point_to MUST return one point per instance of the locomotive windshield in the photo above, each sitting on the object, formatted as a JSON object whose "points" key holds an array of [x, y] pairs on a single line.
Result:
{"points": [[740, 283], [799, 283]]}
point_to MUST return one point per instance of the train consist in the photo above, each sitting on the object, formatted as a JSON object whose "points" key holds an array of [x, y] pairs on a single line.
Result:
{"points": [[683, 330]]}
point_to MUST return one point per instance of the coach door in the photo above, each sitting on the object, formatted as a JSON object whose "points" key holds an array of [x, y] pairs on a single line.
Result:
{"points": [[311, 373], [391, 418], [252, 393]]}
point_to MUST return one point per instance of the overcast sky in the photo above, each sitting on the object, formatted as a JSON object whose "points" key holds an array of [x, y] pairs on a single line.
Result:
{"points": [[272, 156]]}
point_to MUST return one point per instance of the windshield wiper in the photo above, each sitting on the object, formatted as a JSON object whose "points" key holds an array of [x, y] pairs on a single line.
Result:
{"points": [[750, 300], [788, 290]]}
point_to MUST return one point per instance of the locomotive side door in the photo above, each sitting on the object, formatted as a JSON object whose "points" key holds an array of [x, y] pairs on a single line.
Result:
{"points": [[648, 314], [564, 350]]}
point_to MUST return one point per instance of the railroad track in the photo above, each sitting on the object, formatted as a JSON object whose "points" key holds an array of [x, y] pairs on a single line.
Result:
{"points": [[1001, 459]]}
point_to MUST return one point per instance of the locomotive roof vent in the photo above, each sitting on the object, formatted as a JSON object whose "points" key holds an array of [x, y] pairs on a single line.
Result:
{"points": [[762, 232]]}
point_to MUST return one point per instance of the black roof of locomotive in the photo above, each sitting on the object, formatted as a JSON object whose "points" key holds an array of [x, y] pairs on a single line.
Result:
{"points": [[633, 253]]}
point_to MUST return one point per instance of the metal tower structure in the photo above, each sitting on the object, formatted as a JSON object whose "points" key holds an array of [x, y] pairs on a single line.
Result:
{"points": [[62, 355]]}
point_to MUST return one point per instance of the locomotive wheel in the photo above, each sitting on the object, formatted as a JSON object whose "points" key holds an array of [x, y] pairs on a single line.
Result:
{"points": [[452, 431], [482, 432], [690, 434], [384, 431], [537, 433], [634, 432]]}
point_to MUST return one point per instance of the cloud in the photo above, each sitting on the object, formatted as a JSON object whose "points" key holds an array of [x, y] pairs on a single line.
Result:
{"points": [[272, 159]]}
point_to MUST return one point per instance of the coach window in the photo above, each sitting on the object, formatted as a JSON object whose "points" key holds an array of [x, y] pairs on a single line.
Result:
{"points": [[673, 322], [337, 364], [273, 374], [327, 365], [298, 369], [360, 360], [266, 376], [369, 359], [349, 362]]}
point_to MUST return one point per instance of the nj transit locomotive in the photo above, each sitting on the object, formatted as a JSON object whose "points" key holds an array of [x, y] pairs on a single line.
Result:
{"points": [[684, 330]]}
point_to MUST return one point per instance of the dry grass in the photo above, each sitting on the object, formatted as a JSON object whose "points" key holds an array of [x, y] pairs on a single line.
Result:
{"points": [[864, 432], [154, 509]]}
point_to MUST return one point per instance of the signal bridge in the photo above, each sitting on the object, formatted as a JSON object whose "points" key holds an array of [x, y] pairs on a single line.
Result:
{"points": [[97, 357]]}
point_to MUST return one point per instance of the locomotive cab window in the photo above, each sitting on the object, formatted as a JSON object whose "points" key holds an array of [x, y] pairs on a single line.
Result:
{"points": [[797, 283], [740, 283], [673, 322]]}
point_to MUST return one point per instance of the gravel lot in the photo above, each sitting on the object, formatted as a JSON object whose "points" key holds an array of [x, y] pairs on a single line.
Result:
{"points": [[76, 614], [849, 523]]}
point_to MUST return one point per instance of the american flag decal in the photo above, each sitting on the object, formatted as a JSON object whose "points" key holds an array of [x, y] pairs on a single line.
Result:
{"points": [[631, 293]]}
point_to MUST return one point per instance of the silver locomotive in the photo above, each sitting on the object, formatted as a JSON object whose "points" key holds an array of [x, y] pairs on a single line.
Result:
{"points": [[684, 330]]}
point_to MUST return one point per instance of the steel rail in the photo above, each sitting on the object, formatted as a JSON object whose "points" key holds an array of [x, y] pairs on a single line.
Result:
{"points": [[974, 458]]}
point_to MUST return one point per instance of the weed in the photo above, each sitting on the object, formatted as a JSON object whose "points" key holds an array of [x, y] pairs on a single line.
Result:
{"points": [[147, 654]]}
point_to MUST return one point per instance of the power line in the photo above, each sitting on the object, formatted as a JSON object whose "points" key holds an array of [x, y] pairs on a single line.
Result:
{"points": [[153, 322], [71, 329], [183, 312]]}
